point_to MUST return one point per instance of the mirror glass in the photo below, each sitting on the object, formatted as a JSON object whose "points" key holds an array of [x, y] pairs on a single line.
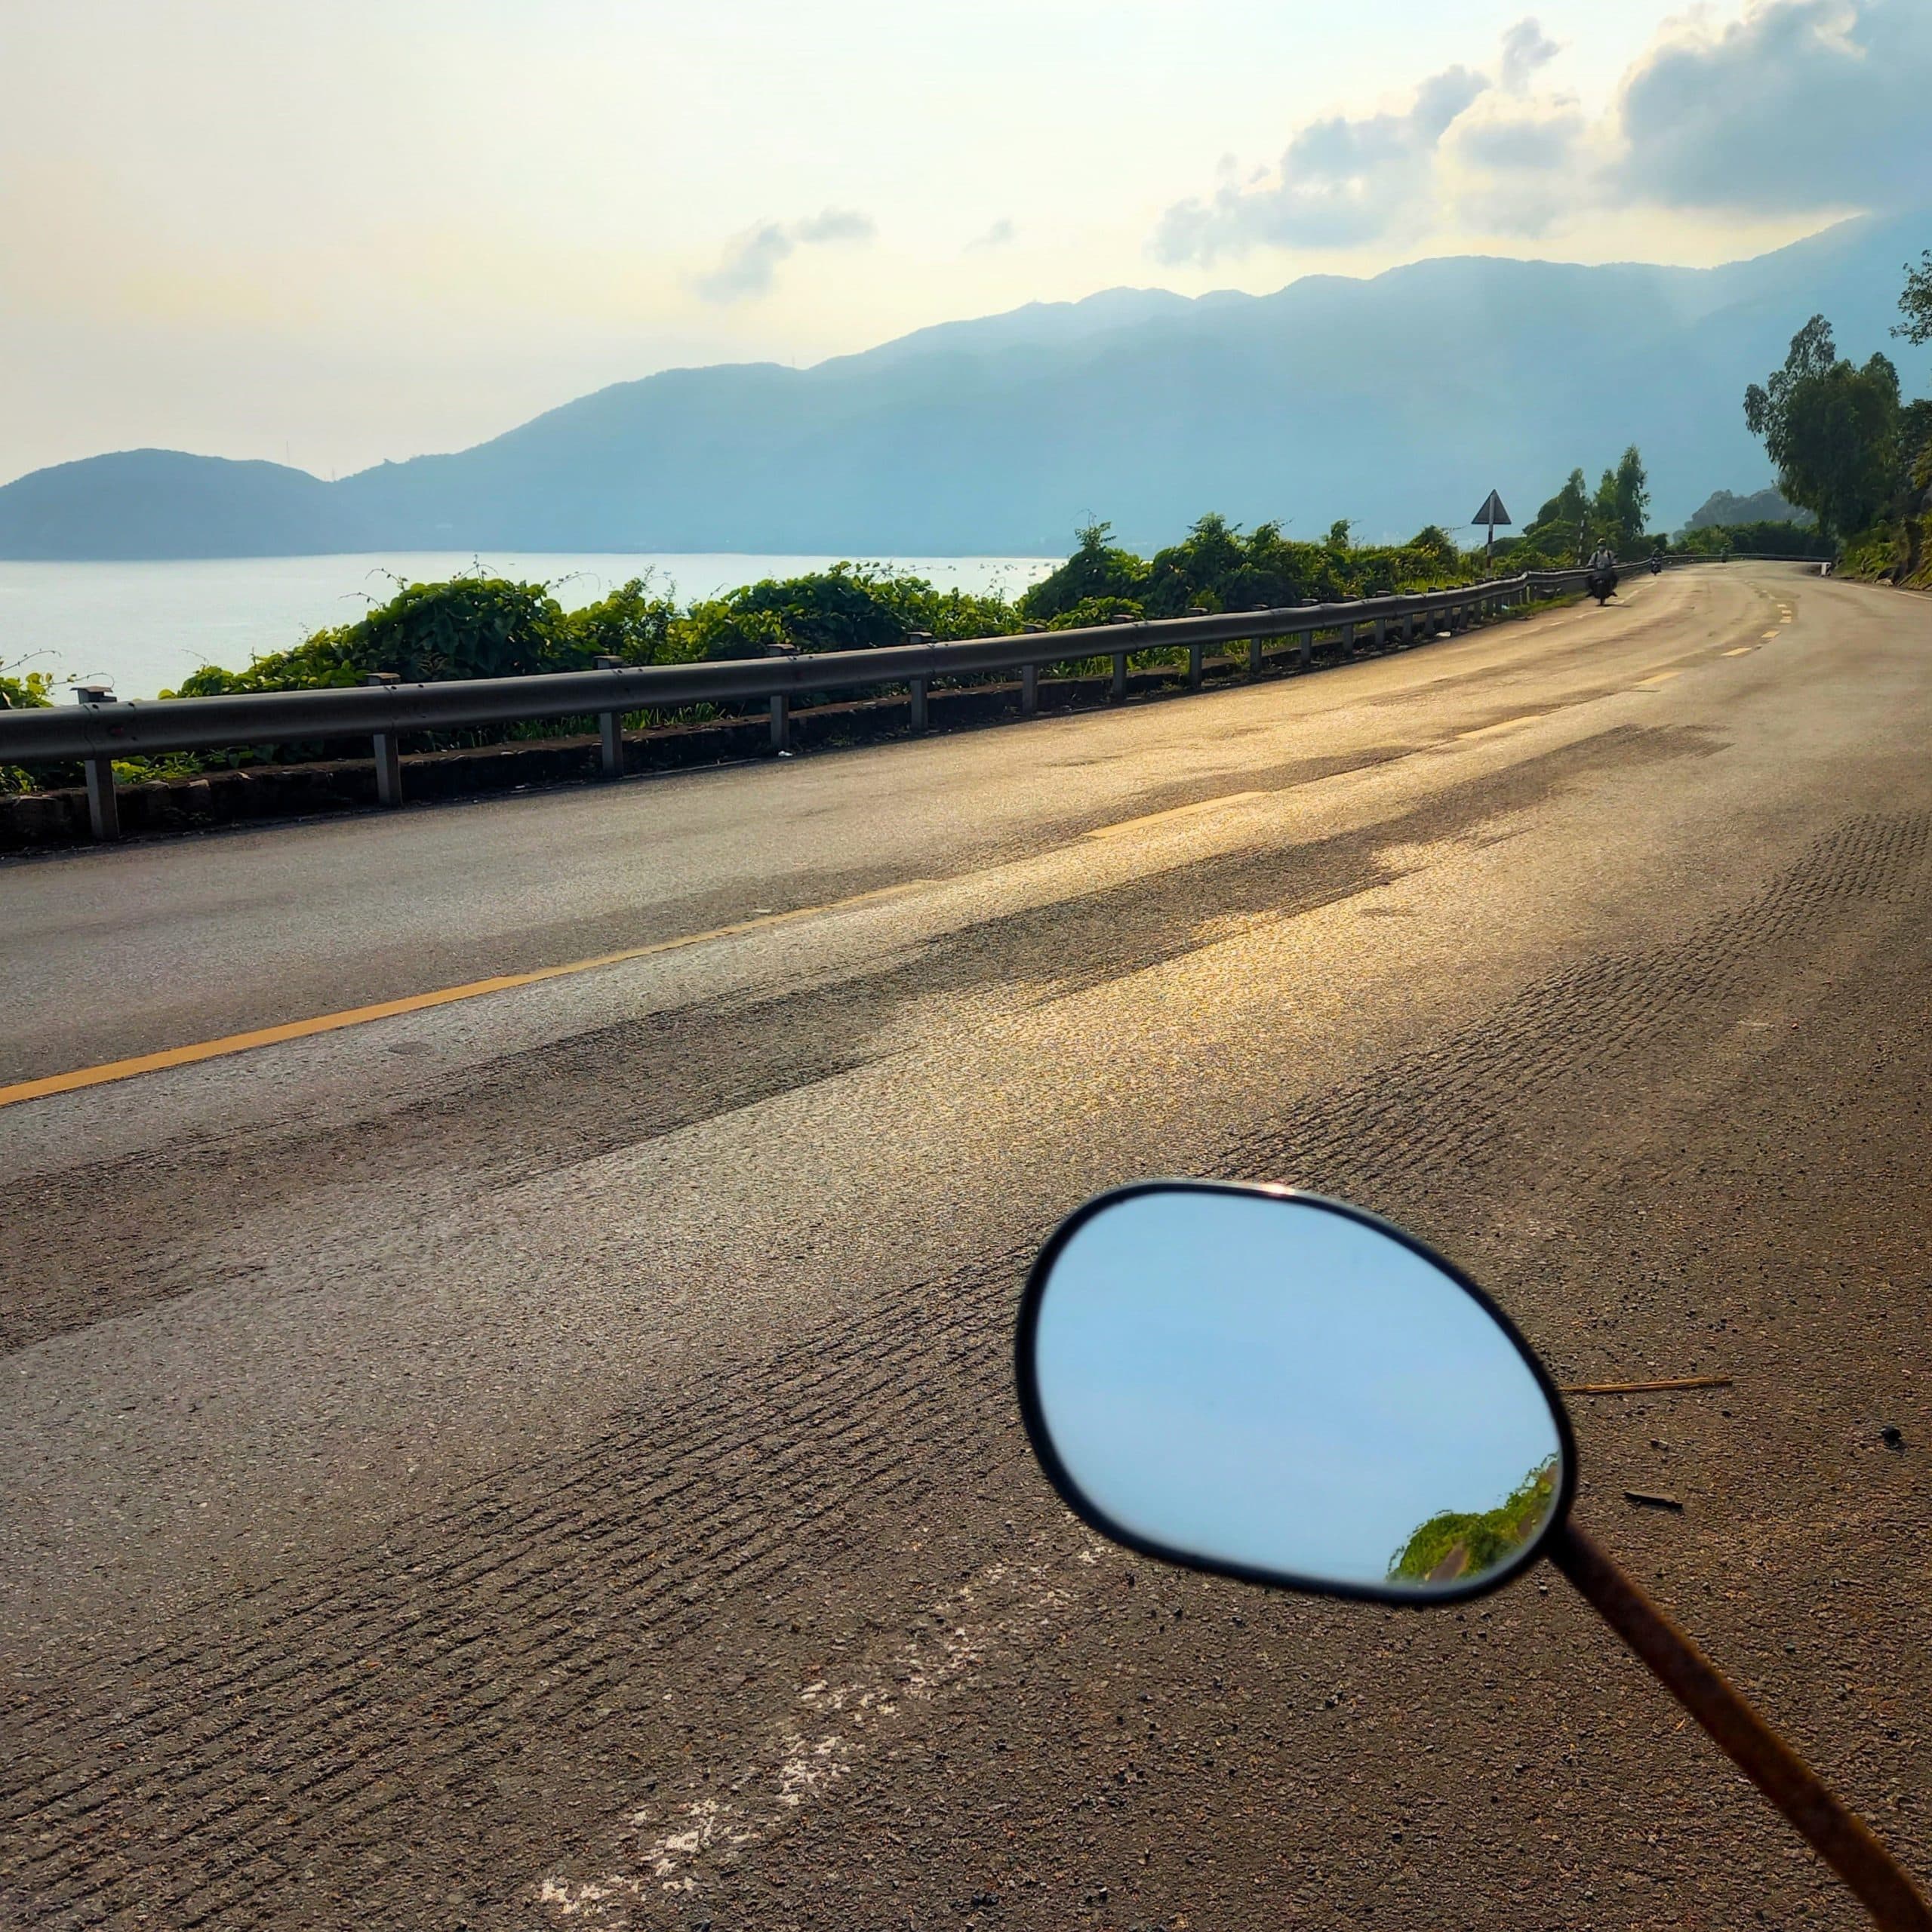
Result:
{"points": [[1265, 1383]]}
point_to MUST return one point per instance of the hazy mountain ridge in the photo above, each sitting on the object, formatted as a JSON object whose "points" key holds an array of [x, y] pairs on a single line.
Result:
{"points": [[1396, 401], [1725, 507]]}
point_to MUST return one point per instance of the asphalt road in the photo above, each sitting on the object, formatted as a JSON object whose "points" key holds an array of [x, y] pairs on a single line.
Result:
{"points": [[549, 1460]]}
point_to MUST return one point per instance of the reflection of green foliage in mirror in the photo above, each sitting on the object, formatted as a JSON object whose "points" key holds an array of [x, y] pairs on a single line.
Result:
{"points": [[1457, 1544]]}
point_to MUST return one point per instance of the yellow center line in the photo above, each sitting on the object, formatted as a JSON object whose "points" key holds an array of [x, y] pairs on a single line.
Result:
{"points": [[1651, 684], [389, 1009], [1179, 811], [1769, 636], [1743, 650]]}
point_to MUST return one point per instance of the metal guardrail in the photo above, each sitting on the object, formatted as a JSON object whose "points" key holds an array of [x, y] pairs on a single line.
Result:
{"points": [[100, 728]]}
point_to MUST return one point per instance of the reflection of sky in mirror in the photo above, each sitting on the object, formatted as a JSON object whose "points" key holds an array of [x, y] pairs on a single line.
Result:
{"points": [[1271, 1383]]}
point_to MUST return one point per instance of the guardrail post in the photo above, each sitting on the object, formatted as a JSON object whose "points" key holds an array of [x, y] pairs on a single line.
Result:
{"points": [[1117, 689], [1381, 633], [916, 687], [1195, 652], [103, 803], [610, 729], [1305, 654], [1029, 690], [1348, 638], [781, 723], [388, 752], [1255, 658]]}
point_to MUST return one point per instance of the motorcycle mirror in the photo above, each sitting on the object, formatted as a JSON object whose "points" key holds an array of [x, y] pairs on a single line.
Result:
{"points": [[1284, 1389], [1280, 1388]]}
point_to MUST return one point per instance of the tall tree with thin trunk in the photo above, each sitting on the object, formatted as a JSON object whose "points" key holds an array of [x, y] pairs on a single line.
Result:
{"points": [[1832, 429]]}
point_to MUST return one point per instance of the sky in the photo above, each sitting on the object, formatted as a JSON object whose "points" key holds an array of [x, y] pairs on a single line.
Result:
{"points": [[333, 231], [1269, 1383]]}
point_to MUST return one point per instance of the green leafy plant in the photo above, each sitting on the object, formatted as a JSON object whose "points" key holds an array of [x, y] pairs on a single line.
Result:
{"points": [[23, 690], [1458, 1543], [1916, 302], [474, 625]]}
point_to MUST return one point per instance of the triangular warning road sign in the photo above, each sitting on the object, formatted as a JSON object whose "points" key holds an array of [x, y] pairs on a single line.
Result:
{"points": [[1492, 511]]}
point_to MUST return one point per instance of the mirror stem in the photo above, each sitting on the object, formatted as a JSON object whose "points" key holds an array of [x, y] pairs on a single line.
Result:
{"points": [[1840, 1838]]}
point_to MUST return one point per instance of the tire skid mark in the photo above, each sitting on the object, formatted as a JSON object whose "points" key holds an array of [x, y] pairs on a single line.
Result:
{"points": [[347, 1708], [629, 1082]]}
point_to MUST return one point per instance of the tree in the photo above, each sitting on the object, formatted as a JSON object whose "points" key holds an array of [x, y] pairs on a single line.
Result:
{"points": [[1563, 524], [1832, 429], [1623, 506], [1916, 302], [1208, 568], [1096, 569]]}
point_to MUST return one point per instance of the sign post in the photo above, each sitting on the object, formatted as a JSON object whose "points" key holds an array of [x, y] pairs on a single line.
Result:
{"points": [[1492, 514]]}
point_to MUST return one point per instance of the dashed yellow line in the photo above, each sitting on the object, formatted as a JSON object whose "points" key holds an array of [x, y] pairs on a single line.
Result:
{"points": [[1179, 811], [1769, 634], [1743, 650], [389, 1009], [1651, 684]]}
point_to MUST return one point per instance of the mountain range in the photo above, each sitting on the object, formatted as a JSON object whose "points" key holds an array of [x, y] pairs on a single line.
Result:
{"points": [[1395, 401]]}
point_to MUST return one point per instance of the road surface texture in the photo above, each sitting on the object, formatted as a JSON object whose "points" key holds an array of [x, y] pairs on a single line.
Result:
{"points": [[549, 1460]]}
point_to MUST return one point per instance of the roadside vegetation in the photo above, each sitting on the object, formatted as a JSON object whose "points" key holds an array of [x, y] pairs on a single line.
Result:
{"points": [[1848, 454], [476, 626], [1459, 1543], [1850, 449]]}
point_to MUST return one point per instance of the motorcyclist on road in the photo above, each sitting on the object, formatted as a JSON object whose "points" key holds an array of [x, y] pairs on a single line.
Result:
{"points": [[1605, 559]]}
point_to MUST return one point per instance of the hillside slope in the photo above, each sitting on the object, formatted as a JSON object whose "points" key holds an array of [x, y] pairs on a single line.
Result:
{"points": [[1395, 401]]}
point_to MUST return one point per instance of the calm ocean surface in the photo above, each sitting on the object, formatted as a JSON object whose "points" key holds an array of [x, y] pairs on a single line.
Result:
{"points": [[143, 627]]}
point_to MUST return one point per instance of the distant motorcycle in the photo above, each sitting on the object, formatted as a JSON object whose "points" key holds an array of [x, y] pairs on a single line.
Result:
{"points": [[1656, 567], [1279, 1387]]}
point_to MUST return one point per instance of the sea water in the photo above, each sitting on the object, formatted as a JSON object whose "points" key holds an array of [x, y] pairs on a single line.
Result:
{"points": [[142, 627]]}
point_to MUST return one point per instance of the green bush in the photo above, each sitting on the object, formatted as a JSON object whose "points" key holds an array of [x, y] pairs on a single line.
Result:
{"points": [[476, 626], [23, 690], [1462, 1543], [1880, 553]]}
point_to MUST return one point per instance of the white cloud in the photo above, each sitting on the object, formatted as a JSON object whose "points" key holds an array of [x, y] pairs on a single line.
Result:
{"points": [[1795, 109], [1526, 50], [1801, 105], [998, 236], [753, 259], [1341, 180]]}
